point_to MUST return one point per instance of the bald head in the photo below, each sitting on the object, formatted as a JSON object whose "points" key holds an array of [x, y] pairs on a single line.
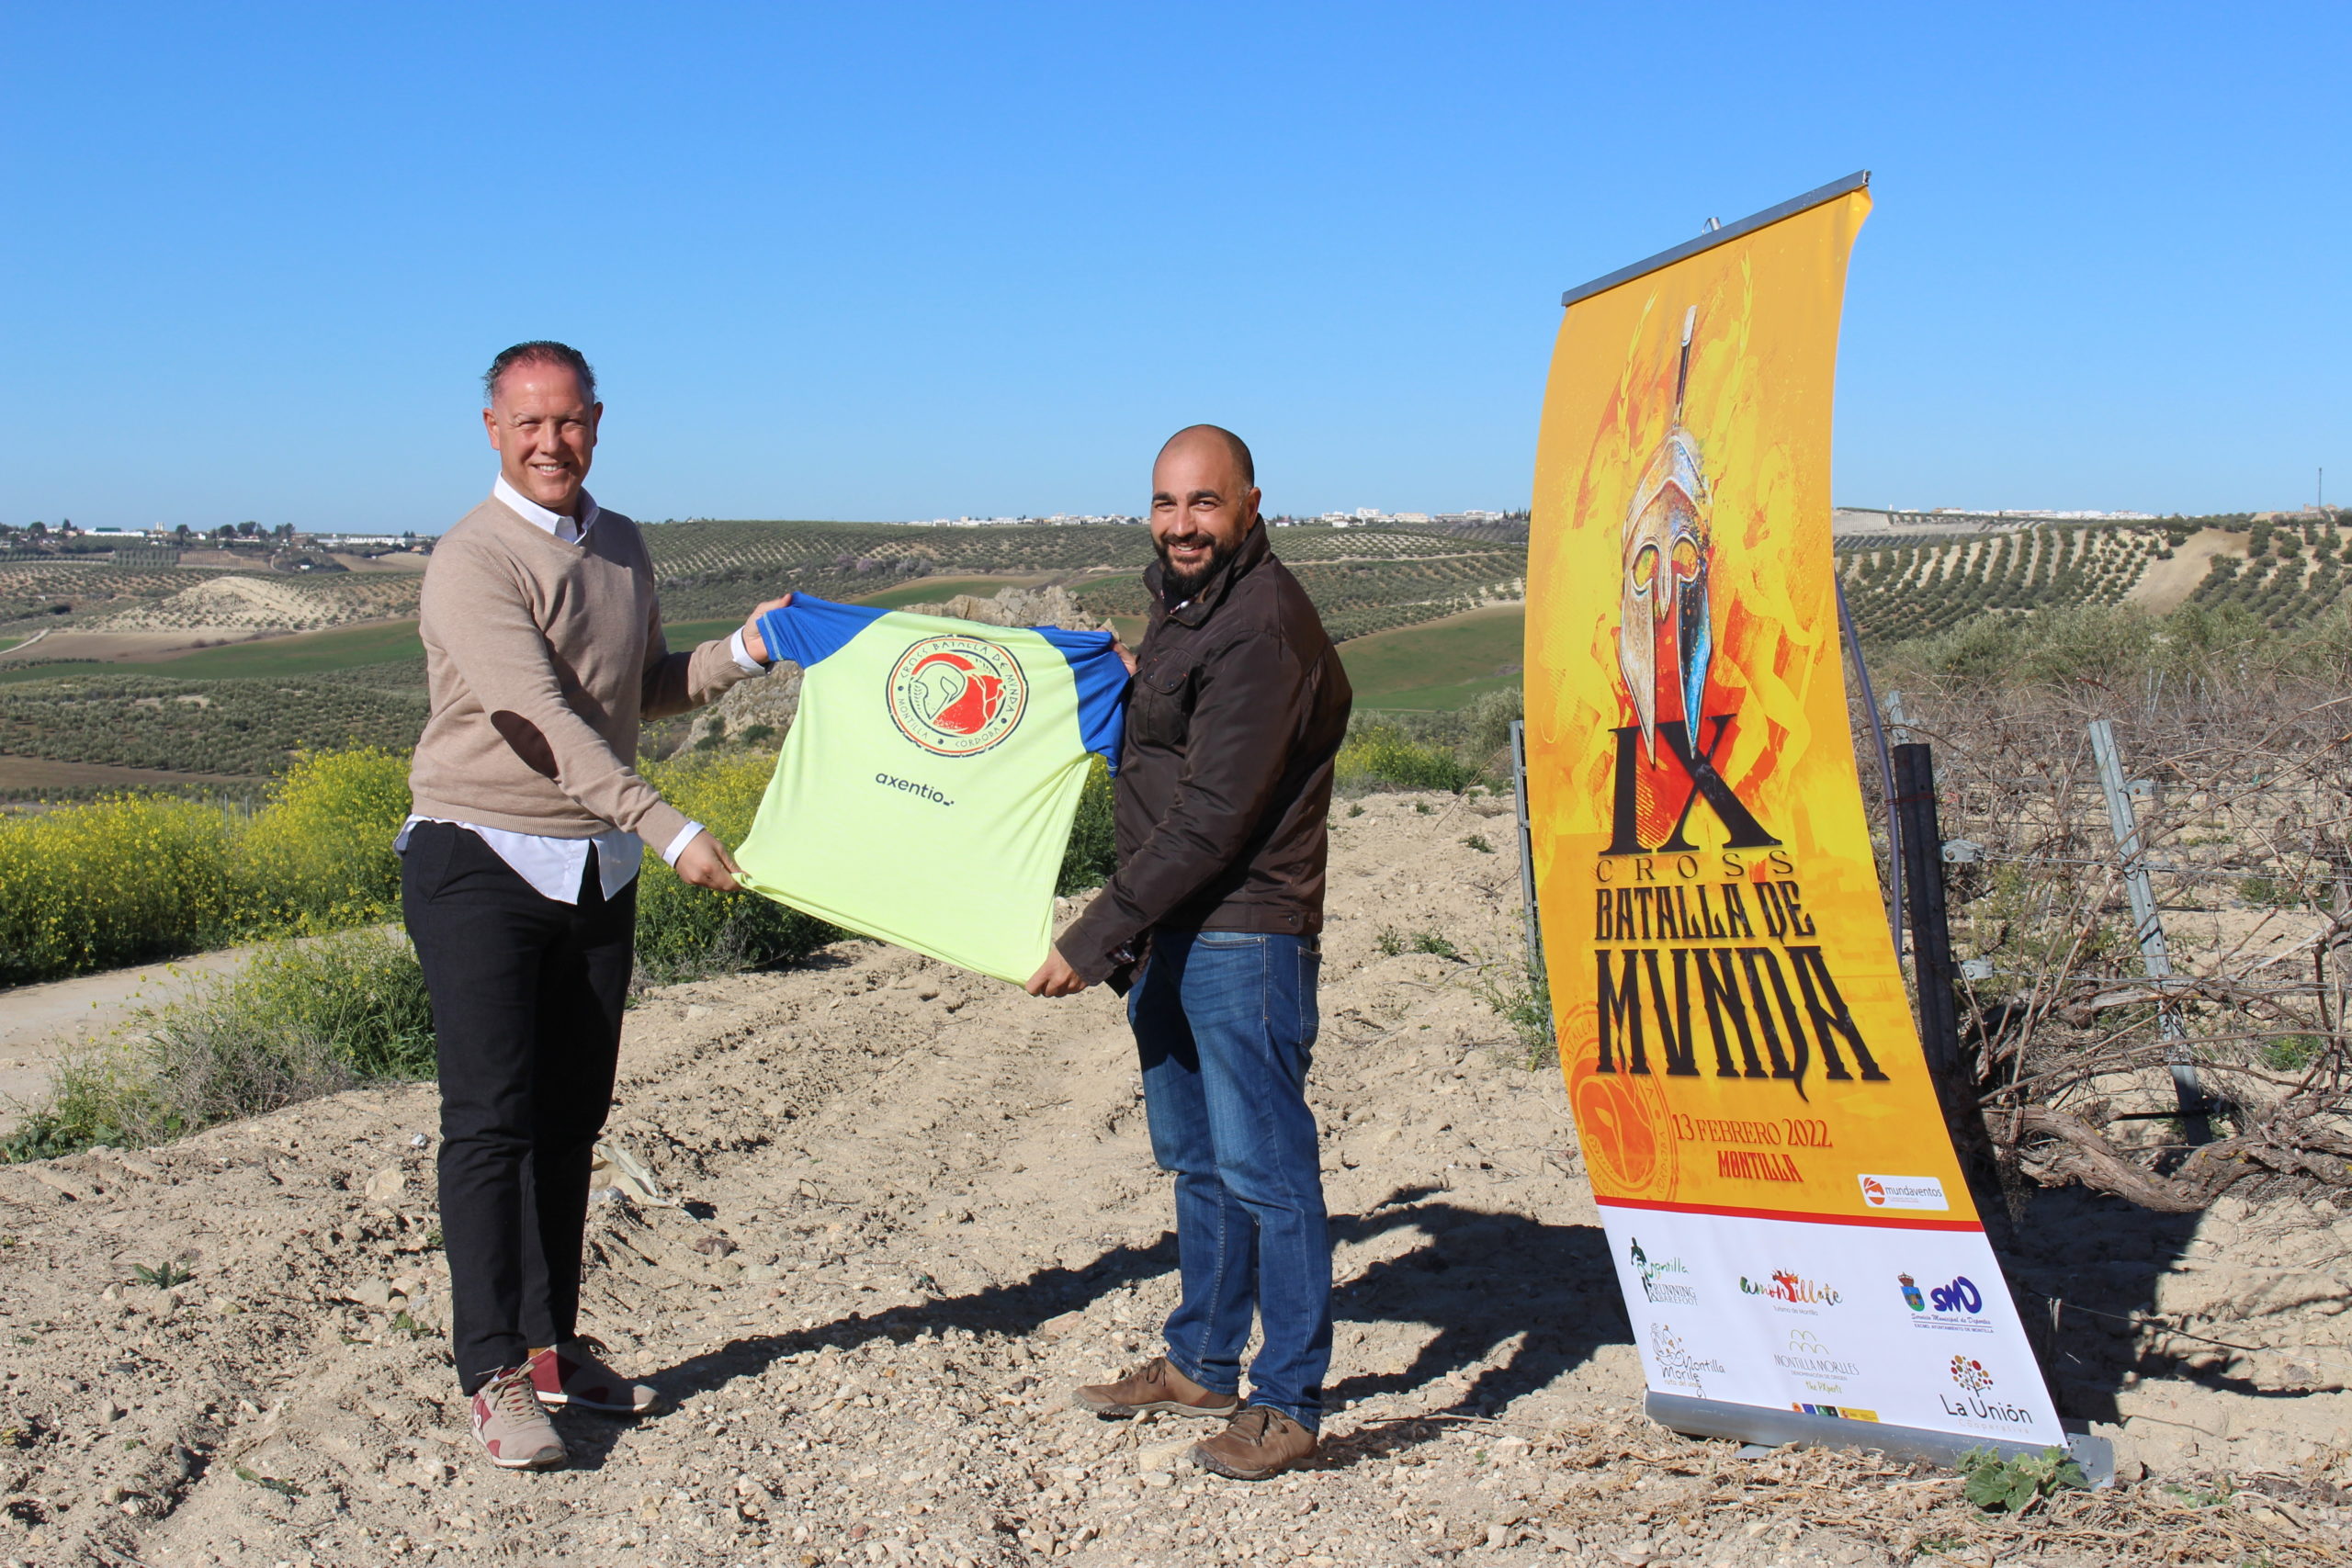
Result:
{"points": [[1215, 438], [1204, 504]]}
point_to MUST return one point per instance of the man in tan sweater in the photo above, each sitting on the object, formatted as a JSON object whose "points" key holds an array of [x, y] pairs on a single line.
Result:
{"points": [[543, 650]]}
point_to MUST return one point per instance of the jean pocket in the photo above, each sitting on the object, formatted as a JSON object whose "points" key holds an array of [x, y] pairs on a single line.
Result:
{"points": [[1227, 939]]}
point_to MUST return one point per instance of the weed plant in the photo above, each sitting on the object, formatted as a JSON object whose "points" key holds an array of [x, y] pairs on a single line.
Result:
{"points": [[1381, 756], [2015, 1484], [302, 1018], [1524, 1002], [134, 877], [1452, 752], [1094, 851], [114, 882]]}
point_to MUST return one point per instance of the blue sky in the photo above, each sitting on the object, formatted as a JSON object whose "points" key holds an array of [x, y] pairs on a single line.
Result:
{"points": [[886, 262]]}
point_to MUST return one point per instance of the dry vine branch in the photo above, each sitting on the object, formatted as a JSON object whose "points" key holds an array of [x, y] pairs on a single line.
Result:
{"points": [[2245, 826]]}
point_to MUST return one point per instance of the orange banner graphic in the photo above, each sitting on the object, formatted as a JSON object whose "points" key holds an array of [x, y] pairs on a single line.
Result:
{"points": [[1792, 1229], [1733, 1025]]}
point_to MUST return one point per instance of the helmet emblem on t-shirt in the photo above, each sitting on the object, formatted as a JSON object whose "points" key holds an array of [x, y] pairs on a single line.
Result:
{"points": [[956, 695]]}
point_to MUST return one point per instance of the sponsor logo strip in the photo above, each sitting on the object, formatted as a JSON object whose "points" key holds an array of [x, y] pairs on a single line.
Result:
{"points": [[1889, 1222]]}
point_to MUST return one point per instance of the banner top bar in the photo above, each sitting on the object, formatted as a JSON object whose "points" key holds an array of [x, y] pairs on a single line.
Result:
{"points": [[1859, 180]]}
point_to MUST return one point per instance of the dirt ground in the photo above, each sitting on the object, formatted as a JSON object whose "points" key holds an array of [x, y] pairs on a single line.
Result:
{"points": [[2166, 584], [919, 1207], [112, 646]]}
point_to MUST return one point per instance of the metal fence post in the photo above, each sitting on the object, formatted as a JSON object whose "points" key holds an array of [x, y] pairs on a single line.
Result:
{"points": [[1923, 880], [2149, 925], [1533, 919]]}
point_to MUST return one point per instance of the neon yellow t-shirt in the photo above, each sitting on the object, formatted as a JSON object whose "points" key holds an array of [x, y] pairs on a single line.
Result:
{"points": [[925, 790]]}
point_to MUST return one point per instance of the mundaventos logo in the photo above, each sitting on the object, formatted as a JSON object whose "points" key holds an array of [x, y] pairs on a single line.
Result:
{"points": [[1663, 1279], [1902, 1193], [956, 695]]}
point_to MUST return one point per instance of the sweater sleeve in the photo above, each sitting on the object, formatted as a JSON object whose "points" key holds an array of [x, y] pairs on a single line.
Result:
{"points": [[679, 682], [482, 617]]}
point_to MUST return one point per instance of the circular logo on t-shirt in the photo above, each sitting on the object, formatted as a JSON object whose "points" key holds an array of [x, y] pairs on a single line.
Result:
{"points": [[956, 695]]}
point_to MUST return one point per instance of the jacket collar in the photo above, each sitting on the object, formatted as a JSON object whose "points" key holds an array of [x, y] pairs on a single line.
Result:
{"points": [[1198, 608]]}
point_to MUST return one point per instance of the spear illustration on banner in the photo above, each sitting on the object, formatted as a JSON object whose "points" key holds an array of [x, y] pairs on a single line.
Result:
{"points": [[1664, 639]]}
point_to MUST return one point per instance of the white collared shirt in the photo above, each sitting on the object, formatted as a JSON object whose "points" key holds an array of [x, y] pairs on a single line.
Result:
{"points": [[554, 867]]}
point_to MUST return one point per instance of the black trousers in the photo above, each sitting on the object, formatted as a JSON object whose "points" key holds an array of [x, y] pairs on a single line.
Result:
{"points": [[526, 1010]]}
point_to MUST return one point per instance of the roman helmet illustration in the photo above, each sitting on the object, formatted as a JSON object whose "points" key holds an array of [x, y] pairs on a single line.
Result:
{"points": [[1665, 641]]}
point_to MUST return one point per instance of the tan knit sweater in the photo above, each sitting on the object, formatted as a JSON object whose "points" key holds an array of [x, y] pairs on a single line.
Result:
{"points": [[541, 657]]}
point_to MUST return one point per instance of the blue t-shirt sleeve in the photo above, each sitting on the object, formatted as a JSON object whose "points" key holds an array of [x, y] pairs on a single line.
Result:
{"points": [[809, 628], [1102, 677]]}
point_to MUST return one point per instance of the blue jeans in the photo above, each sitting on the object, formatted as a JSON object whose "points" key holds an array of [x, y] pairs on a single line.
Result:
{"points": [[1224, 1022]]}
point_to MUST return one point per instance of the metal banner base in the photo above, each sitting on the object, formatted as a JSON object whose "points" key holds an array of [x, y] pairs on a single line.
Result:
{"points": [[1757, 1424]]}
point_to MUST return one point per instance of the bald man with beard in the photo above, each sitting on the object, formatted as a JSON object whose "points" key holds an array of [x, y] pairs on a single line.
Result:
{"points": [[1213, 921]]}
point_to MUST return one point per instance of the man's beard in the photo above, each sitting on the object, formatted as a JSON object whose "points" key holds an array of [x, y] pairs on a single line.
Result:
{"points": [[1177, 587]]}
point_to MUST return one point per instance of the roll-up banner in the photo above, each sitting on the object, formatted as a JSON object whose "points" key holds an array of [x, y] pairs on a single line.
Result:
{"points": [[1798, 1251]]}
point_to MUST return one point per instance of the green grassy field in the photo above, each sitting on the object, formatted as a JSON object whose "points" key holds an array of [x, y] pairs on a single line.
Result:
{"points": [[687, 634], [939, 590], [306, 653], [1442, 664]]}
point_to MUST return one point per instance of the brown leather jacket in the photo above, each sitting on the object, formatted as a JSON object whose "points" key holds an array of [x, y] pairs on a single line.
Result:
{"points": [[1236, 709]]}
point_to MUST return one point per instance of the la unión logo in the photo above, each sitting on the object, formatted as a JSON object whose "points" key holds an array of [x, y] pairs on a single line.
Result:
{"points": [[956, 696], [1973, 1405]]}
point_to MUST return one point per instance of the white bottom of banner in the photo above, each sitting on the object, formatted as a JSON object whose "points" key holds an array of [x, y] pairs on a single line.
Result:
{"points": [[1862, 1324]]}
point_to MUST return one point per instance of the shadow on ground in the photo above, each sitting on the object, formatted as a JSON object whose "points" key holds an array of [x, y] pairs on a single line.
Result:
{"points": [[1479, 1280]]}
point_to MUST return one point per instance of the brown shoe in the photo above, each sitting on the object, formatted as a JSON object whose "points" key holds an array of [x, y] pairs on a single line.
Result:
{"points": [[1157, 1386], [1260, 1442]]}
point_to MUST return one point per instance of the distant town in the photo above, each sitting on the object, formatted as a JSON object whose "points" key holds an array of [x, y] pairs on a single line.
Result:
{"points": [[288, 549], [1361, 517], [65, 538]]}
